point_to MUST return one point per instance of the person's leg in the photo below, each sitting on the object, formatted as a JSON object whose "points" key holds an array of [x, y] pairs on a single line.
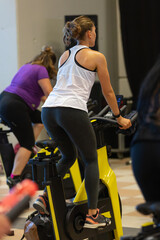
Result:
{"points": [[37, 128], [58, 134], [16, 113], [74, 129], [37, 122], [66, 148], [146, 168], [20, 160], [24, 133], [77, 126]]}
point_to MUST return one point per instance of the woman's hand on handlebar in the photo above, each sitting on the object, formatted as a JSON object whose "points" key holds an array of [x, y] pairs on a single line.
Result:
{"points": [[124, 122]]}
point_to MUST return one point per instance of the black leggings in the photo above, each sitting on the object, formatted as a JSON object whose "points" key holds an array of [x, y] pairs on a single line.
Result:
{"points": [[19, 117], [72, 131], [146, 167]]}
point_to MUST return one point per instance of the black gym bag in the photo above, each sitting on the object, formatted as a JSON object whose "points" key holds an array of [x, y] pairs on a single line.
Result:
{"points": [[38, 227]]}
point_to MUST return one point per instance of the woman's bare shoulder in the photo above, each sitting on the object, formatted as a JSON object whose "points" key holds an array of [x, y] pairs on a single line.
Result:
{"points": [[64, 57], [96, 53]]}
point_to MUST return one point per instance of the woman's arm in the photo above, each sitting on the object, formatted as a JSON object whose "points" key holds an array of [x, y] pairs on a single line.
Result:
{"points": [[46, 86], [43, 99], [107, 89]]}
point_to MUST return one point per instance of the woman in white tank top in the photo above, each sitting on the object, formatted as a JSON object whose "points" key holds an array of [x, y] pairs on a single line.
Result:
{"points": [[64, 113]]}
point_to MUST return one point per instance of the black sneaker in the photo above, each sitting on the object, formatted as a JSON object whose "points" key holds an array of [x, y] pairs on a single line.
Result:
{"points": [[97, 221], [11, 182], [41, 204]]}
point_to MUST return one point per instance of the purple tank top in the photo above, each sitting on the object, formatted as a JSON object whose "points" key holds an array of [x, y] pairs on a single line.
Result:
{"points": [[25, 84]]}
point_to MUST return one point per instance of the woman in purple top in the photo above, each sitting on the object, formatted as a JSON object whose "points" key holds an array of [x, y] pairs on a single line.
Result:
{"points": [[19, 103]]}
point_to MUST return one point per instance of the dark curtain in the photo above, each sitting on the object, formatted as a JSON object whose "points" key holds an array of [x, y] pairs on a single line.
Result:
{"points": [[140, 28]]}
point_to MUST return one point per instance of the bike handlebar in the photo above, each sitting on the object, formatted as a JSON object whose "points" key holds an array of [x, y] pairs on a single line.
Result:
{"points": [[111, 121], [106, 109], [103, 111]]}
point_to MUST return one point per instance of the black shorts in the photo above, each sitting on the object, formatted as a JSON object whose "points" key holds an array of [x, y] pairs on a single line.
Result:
{"points": [[19, 117]]}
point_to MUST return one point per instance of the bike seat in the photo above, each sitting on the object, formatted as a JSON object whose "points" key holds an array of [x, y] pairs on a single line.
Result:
{"points": [[155, 208], [144, 208], [47, 143], [149, 208]]}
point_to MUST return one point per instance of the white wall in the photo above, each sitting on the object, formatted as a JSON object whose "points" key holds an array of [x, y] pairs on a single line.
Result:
{"points": [[8, 42], [27, 25], [41, 22], [8, 46]]}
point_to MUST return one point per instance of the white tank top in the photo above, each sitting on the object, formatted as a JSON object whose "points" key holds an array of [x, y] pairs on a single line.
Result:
{"points": [[74, 84]]}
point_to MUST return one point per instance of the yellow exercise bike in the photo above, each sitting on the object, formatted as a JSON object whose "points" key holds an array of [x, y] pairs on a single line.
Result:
{"points": [[68, 216]]}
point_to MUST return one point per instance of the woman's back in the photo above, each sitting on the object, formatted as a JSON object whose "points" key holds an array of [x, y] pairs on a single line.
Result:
{"points": [[25, 84], [74, 82]]}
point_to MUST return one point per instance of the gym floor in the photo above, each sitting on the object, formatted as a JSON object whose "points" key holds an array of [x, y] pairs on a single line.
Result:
{"points": [[128, 191]]}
